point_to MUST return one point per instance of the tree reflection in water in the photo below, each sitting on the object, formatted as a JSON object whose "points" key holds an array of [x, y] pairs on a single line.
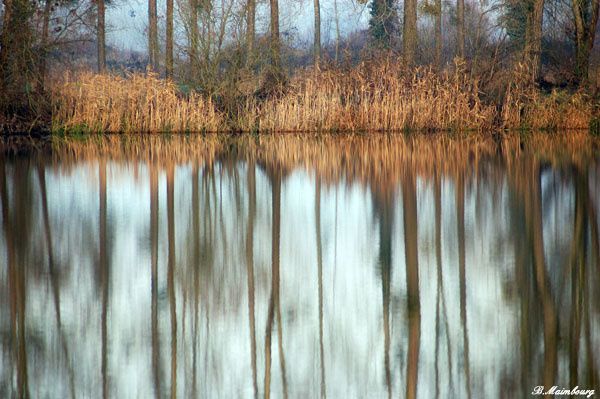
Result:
{"points": [[493, 265]]}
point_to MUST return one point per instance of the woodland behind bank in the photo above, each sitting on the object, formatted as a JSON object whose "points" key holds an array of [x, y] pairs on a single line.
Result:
{"points": [[467, 65]]}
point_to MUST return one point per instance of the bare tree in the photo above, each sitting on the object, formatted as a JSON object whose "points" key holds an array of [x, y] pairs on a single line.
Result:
{"points": [[534, 37], [337, 31], [193, 42], [152, 35], [101, 38], [45, 40], [438, 34], [169, 41], [523, 21], [251, 28], [585, 14], [460, 28], [15, 56], [410, 30], [317, 45], [275, 41]]}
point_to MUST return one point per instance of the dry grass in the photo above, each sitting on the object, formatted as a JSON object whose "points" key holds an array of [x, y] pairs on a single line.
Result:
{"points": [[526, 107], [376, 96], [136, 103], [373, 96]]}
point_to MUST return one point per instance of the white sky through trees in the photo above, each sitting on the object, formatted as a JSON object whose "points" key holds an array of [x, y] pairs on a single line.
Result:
{"points": [[128, 21]]}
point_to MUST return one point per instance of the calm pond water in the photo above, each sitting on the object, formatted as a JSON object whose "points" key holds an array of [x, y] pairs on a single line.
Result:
{"points": [[293, 266]]}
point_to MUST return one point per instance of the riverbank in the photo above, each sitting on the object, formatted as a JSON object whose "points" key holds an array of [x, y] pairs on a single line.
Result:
{"points": [[372, 96]]}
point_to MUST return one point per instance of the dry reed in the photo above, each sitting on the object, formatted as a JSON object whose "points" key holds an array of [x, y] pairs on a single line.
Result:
{"points": [[376, 96], [380, 96], [526, 107], [135, 103]]}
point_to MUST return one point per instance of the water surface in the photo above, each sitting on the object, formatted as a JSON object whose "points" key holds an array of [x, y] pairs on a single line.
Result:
{"points": [[294, 266]]}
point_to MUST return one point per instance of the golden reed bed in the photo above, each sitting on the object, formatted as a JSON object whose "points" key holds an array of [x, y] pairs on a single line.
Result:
{"points": [[379, 96], [136, 103]]}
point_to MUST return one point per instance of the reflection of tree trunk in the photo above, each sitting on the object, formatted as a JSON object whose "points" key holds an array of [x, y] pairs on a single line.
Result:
{"points": [[595, 237], [438, 257], [276, 276], [320, 280], [54, 276], [441, 297], [250, 269], [524, 284], [409, 200], [154, 282], [385, 263], [548, 307], [196, 271], [578, 273], [104, 272], [17, 293], [171, 275], [268, 335], [274, 304], [460, 222], [591, 377]]}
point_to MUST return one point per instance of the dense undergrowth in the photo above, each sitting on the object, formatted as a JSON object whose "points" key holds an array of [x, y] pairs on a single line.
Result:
{"points": [[381, 95]]}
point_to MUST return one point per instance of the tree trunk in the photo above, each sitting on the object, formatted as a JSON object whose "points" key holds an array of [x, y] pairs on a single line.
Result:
{"points": [[152, 35], [585, 14], [101, 38], [193, 36], [533, 37], [410, 30], [460, 28], [251, 30], [45, 42], [169, 41], [337, 31], [275, 45], [438, 34], [536, 37], [16, 68], [317, 45]]}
